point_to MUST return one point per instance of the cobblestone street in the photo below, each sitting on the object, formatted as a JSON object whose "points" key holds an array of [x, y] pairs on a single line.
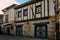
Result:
{"points": [[7, 37]]}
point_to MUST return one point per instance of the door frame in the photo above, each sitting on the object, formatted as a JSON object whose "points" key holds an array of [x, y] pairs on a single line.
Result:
{"points": [[41, 25], [21, 27], [8, 30]]}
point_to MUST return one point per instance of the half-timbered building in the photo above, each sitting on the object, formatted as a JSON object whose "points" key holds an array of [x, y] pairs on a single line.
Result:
{"points": [[34, 19]]}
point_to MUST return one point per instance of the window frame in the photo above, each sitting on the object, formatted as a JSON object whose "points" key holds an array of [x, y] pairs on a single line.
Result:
{"points": [[37, 8], [6, 18], [19, 13], [24, 12], [44, 25]]}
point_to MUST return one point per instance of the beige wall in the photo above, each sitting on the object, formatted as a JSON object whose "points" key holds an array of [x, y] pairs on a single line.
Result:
{"points": [[14, 15], [11, 11], [10, 14], [51, 8], [5, 13]]}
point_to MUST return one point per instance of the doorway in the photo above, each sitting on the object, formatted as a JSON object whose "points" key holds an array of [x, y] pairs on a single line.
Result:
{"points": [[41, 31], [19, 30], [8, 30]]}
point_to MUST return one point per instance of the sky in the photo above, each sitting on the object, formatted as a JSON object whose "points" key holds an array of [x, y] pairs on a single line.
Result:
{"points": [[22, 1], [6, 3]]}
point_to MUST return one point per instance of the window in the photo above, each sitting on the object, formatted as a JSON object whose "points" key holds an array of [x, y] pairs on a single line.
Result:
{"points": [[19, 13], [6, 18], [38, 9], [25, 12]]}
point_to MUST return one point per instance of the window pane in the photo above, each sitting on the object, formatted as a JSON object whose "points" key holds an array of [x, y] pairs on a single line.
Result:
{"points": [[19, 13], [25, 12], [38, 9], [6, 18]]}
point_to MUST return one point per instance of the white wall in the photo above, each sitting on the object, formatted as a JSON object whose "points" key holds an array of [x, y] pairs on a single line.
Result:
{"points": [[11, 11], [5, 13], [51, 10], [11, 15]]}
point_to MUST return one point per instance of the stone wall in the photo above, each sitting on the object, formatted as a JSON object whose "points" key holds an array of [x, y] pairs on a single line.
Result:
{"points": [[28, 29], [52, 28]]}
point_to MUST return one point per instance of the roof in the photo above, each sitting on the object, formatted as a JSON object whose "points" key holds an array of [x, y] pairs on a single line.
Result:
{"points": [[1, 14], [13, 5], [26, 4]]}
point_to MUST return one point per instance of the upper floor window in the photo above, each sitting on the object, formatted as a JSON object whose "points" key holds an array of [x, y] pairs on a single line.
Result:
{"points": [[38, 9], [6, 18], [19, 13], [25, 12]]}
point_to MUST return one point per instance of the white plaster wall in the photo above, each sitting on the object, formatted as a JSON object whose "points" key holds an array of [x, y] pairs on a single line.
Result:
{"points": [[20, 18], [29, 14], [33, 9], [42, 8], [16, 15], [46, 12], [11, 15], [3, 18], [30, 11], [5, 13], [25, 17], [22, 13], [39, 14], [38, 3], [51, 8]]}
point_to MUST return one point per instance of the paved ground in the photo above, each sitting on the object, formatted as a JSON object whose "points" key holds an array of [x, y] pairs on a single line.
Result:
{"points": [[7, 37]]}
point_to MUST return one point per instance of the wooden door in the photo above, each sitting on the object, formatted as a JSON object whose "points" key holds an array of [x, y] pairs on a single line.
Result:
{"points": [[41, 31]]}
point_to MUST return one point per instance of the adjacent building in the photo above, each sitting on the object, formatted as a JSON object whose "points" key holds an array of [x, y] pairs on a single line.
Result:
{"points": [[8, 20], [31, 19], [1, 21]]}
